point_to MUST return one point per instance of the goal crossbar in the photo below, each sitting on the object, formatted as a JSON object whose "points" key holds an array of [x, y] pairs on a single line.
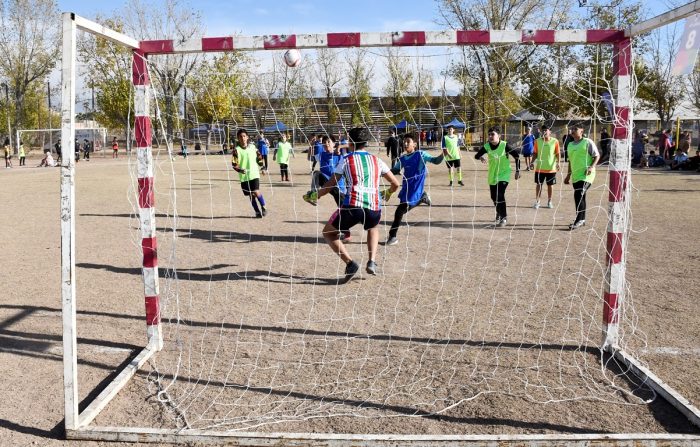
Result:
{"points": [[77, 424]]}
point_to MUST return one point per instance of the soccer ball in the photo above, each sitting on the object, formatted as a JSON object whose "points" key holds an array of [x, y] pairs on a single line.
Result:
{"points": [[292, 58]]}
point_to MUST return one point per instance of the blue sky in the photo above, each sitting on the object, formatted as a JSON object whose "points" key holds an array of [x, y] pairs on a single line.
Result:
{"points": [[254, 17]]}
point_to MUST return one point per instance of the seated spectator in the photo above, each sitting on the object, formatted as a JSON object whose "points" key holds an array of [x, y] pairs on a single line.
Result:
{"points": [[693, 162], [48, 160], [654, 161], [679, 160]]}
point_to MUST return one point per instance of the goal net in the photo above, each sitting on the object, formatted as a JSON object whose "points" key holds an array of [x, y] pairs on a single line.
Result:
{"points": [[468, 327]]}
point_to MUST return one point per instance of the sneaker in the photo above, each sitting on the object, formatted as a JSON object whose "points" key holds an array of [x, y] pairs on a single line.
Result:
{"points": [[264, 211], [460, 183], [536, 205], [577, 224], [494, 223], [502, 223], [258, 215], [550, 204], [425, 198], [392, 241], [350, 269], [311, 197], [371, 267], [450, 182]]}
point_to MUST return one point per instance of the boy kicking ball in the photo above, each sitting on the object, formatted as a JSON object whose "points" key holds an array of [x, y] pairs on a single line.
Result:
{"points": [[362, 172]]}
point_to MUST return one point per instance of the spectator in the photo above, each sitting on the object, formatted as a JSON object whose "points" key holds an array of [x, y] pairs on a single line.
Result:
{"points": [[429, 138], [664, 144], [684, 144], [679, 160], [637, 149], [654, 161], [392, 147], [47, 160], [568, 138], [605, 145], [693, 162]]}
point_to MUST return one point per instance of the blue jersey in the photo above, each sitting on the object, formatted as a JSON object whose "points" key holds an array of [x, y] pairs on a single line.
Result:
{"points": [[414, 173], [262, 146], [318, 149], [328, 161], [528, 144]]}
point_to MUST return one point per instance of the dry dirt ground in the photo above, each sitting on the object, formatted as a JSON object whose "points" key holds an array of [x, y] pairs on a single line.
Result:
{"points": [[466, 329]]}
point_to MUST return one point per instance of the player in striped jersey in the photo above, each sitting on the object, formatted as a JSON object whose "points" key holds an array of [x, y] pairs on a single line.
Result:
{"points": [[412, 191], [362, 172]]}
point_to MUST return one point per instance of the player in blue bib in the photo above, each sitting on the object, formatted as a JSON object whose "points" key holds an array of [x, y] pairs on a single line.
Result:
{"points": [[414, 166], [264, 148]]}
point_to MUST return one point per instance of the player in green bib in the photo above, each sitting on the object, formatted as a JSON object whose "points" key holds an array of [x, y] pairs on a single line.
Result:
{"points": [[499, 171], [546, 164], [583, 157], [284, 149], [453, 159], [246, 160]]}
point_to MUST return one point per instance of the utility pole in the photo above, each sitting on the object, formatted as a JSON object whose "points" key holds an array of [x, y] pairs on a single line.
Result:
{"points": [[48, 97]]}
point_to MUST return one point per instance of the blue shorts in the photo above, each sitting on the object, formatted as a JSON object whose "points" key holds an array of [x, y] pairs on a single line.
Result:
{"points": [[527, 152], [345, 218]]}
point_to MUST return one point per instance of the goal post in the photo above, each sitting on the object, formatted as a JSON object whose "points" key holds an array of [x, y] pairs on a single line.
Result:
{"points": [[78, 424]]}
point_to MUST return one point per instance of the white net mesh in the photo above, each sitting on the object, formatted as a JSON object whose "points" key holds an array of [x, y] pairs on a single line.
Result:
{"points": [[464, 322]]}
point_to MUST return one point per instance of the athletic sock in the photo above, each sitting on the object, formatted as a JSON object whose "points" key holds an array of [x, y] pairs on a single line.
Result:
{"points": [[255, 205], [261, 199], [459, 173], [450, 175]]}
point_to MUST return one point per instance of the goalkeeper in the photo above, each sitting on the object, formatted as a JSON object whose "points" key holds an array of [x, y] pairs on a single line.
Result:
{"points": [[412, 191], [362, 172]]}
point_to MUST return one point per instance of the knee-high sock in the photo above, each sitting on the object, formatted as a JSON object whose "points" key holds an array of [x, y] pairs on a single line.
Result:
{"points": [[261, 199]]}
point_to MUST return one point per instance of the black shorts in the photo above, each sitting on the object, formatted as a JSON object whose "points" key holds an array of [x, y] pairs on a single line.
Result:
{"points": [[345, 218], [454, 163], [549, 177], [250, 186]]}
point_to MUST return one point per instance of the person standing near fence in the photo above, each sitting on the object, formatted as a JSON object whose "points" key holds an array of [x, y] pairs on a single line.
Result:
{"points": [[8, 153]]}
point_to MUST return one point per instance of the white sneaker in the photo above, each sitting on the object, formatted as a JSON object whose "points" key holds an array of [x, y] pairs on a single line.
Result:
{"points": [[502, 223], [536, 205], [550, 205], [392, 241], [494, 224]]}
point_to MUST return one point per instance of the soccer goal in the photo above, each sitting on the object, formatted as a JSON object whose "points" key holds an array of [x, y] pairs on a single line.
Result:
{"points": [[516, 331]]}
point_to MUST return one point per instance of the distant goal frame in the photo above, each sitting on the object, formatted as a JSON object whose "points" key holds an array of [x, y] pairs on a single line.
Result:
{"points": [[78, 425]]}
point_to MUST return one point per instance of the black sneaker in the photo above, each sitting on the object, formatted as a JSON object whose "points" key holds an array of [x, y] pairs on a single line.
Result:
{"points": [[371, 267], [264, 211], [461, 183], [350, 269], [450, 182], [258, 215]]}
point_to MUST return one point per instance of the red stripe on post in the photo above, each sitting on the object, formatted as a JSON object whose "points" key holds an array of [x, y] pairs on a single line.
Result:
{"points": [[604, 36], [150, 252], [139, 73], [473, 37], [617, 186], [610, 313], [614, 248], [621, 130], [622, 58], [157, 46], [217, 43], [538, 36], [408, 38], [337, 40], [146, 193], [152, 310], [280, 41], [142, 131]]}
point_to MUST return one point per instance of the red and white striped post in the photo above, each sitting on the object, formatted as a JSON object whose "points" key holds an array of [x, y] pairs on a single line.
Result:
{"points": [[144, 156], [618, 215]]}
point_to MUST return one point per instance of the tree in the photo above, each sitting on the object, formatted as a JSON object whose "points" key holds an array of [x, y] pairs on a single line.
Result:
{"points": [[28, 50], [108, 71], [327, 73], [492, 66], [358, 85], [165, 19], [399, 82]]}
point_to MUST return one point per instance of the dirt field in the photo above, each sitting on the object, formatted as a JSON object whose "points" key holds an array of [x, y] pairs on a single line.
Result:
{"points": [[466, 330]]}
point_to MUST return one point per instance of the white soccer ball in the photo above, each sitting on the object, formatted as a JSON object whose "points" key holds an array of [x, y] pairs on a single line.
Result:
{"points": [[292, 58]]}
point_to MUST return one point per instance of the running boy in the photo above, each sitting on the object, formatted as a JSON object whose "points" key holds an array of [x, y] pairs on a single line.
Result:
{"points": [[583, 156], [246, 161], [412, 192]]}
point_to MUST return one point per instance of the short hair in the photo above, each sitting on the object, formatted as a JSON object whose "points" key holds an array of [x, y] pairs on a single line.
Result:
{"points": [[327, 138], [494, 129], [240, 132], [545, 127], [577, 126], [409, 136], [359, 136], [450, 127]]}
